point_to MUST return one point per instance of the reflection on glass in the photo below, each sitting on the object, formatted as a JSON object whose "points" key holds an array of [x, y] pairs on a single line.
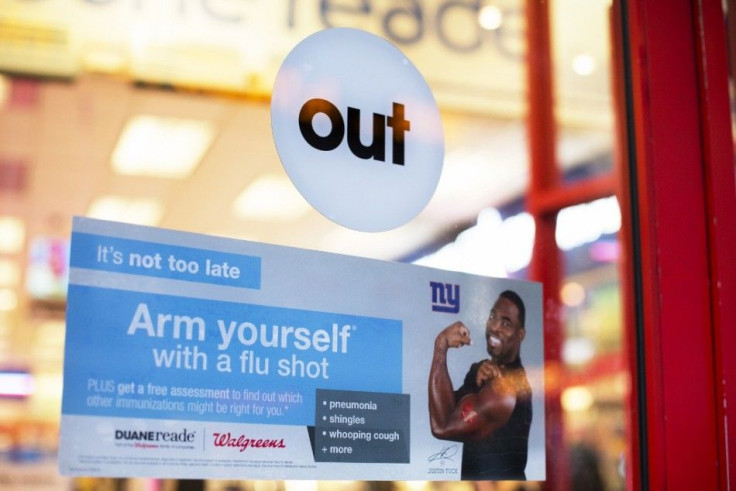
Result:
{"points": [[595, 383], [56, 160]]}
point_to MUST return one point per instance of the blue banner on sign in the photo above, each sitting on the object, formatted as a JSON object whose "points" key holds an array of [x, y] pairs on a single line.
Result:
{"points": [[131, 354], [164, 261]]}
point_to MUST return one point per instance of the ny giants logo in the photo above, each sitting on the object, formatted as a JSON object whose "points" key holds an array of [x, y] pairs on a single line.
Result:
{"points": [[445, 297]]}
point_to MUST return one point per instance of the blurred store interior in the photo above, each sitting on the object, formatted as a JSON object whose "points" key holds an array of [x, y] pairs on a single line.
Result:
{"points": [[157, 113]]}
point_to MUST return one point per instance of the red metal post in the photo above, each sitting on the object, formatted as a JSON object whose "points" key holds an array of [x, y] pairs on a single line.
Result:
{"points": [[546, 260]]}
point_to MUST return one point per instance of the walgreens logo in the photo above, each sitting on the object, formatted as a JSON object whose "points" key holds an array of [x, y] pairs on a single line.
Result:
{"points": [[242, 442]]}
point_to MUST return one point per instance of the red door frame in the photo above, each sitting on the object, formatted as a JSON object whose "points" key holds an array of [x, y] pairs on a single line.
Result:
{"points": [[678, 200], [718, 153], [683, 194]]}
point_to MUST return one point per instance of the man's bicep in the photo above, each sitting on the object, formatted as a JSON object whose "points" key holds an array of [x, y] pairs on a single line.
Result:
{"points": [[477, 416], [495, 406], [464, 422]]}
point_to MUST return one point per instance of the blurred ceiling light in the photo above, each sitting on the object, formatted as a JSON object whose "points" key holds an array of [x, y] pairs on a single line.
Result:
{"points": [[478, 249], [578, 351], [490, 17], [582, 224], [156, 146], [8, 299], [584, 64], [139, 211], [572, 294], [577, 399], [270, 197], [474, 250], [12, 235], [14, 384], [518, 232], [9, 273]]}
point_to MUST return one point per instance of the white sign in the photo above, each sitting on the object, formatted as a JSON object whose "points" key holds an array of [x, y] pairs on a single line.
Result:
{"points": [[189, 356], [357, 129]]}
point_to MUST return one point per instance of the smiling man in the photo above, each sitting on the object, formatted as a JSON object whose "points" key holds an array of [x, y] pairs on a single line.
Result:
{"points": [[491, 412]]}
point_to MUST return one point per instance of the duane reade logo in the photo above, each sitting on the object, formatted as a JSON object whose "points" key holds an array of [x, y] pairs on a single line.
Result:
{"points": [[183, 436], [357, 129]]}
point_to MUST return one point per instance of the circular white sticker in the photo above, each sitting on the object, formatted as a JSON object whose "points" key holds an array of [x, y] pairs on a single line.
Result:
{"points": [[357, 129]]}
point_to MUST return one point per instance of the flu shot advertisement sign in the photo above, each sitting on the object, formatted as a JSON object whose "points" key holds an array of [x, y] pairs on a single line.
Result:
{"points": [[190, 356]]}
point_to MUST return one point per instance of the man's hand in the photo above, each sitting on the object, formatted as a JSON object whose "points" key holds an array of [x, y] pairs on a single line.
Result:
{"points": [[487, 371], [453, 336], [477, 414]]}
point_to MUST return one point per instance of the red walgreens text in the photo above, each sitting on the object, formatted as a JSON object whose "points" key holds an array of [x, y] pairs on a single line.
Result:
{"points": [[242, 442]]}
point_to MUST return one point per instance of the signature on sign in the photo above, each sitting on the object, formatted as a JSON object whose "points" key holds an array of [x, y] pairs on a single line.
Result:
{"points": [[445, 454]]}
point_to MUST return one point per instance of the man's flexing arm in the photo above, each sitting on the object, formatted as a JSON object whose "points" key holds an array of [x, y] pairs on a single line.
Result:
{"points": [[475, 415]]}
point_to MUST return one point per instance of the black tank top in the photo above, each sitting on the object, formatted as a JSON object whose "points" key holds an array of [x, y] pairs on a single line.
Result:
{"points": [[503, 455]]}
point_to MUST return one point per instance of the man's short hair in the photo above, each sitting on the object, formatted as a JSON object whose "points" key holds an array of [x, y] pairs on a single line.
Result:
{"points": [[514, 298]]}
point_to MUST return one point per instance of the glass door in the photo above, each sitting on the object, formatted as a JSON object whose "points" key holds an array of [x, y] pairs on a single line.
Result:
{"points": [[585, 149]]}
